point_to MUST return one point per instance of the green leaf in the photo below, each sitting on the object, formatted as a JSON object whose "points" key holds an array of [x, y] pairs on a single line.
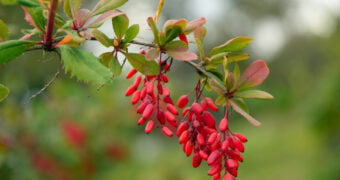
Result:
{"points": [[154, 29], [236, 72], [9, 2], [84, 65], [232, 45], [243, 113], [120, 25], [38, 17], [241, 103], [172, 28], [3, 31], [9, 50], [139, 62], [131, 33], [102, 38], [220, 100], [254, 94], [106, 5], [214, 86], [111, 62], [254, 74], [4, 91], [29, 3], [67, 8]]}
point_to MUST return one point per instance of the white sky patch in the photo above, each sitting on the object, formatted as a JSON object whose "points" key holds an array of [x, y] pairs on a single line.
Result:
{"points": [[315, 19], [269, 38]]}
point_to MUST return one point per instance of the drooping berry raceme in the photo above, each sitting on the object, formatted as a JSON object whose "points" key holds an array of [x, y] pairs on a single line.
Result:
{"points": [[214, 143], [153, 100]]}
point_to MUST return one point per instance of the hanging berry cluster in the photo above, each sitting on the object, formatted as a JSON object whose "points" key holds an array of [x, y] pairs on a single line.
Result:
{"points": [[218, 71]]}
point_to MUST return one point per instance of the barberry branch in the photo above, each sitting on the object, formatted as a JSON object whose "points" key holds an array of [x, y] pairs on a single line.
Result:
{"points": [[48, 40]]}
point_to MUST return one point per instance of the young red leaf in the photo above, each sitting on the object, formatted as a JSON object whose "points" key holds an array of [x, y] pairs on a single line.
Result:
{"points": [[254, 74]]}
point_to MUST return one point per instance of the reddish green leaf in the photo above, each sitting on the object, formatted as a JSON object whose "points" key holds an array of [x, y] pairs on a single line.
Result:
{"points": [[106, 5], [83, 16], [254, 94], [177, 46], [179, 50], [199, 35], [221, 100], [139, 62], [243, 113], [232, 45], [152, 54], [193, 25], [102, 18], [254, 74]]}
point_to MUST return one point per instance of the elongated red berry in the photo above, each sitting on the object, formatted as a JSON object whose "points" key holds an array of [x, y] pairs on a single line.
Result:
{"points": [[214, 170], [130, 90], [166, 91], [212, 138], [137, 81], [197, 108], [141, 107], [196, 160], [135, 98], [168, 99], [239, 145], [188, 148], [149, 87], [231, 163], [182, 127], [161, 117], [227, 176], [241, 137], [203, 155], [184, 137], [149, 126], [183, 38], [223, 124], [147, 111], [213, 157], [167, 131], [232, 171], [211, 104], [208, 119], [185, 111], [217, 176], [165, 78], [182, 101], [142, 93], [225, 145], [171, 108], [141, 121], [200, 139], [131, 73], [169, 116]]}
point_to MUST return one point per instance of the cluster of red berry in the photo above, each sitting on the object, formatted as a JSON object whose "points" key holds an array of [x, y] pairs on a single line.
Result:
{"points": [[198, 132]]}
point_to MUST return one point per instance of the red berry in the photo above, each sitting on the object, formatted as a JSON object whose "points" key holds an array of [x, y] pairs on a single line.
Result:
{"points": [[241, 137], [137, 81], [147, 111], [231, 163], [203, 155], [165, 78], [227, 176], [130, 90], [167, 131], [166, 91], [214, 170], [149, 87], [182, 127], [169, 116], [200, 139], [172, 109], [183, 38], [188, 148], [213, 157], [135, 98], [196, 160], [197, 108], [161, 117], [184, 137], [131, 73], [141, 107], [238, 144], [141, 121], [225, 145], [167, 99], [212, 138], [211, 104], [182, 101], [208, 119], [223, 124], [149, 126]]}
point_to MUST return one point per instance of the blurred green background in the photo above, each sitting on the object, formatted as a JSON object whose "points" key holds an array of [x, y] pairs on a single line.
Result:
{"points": [[299, 138]]}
